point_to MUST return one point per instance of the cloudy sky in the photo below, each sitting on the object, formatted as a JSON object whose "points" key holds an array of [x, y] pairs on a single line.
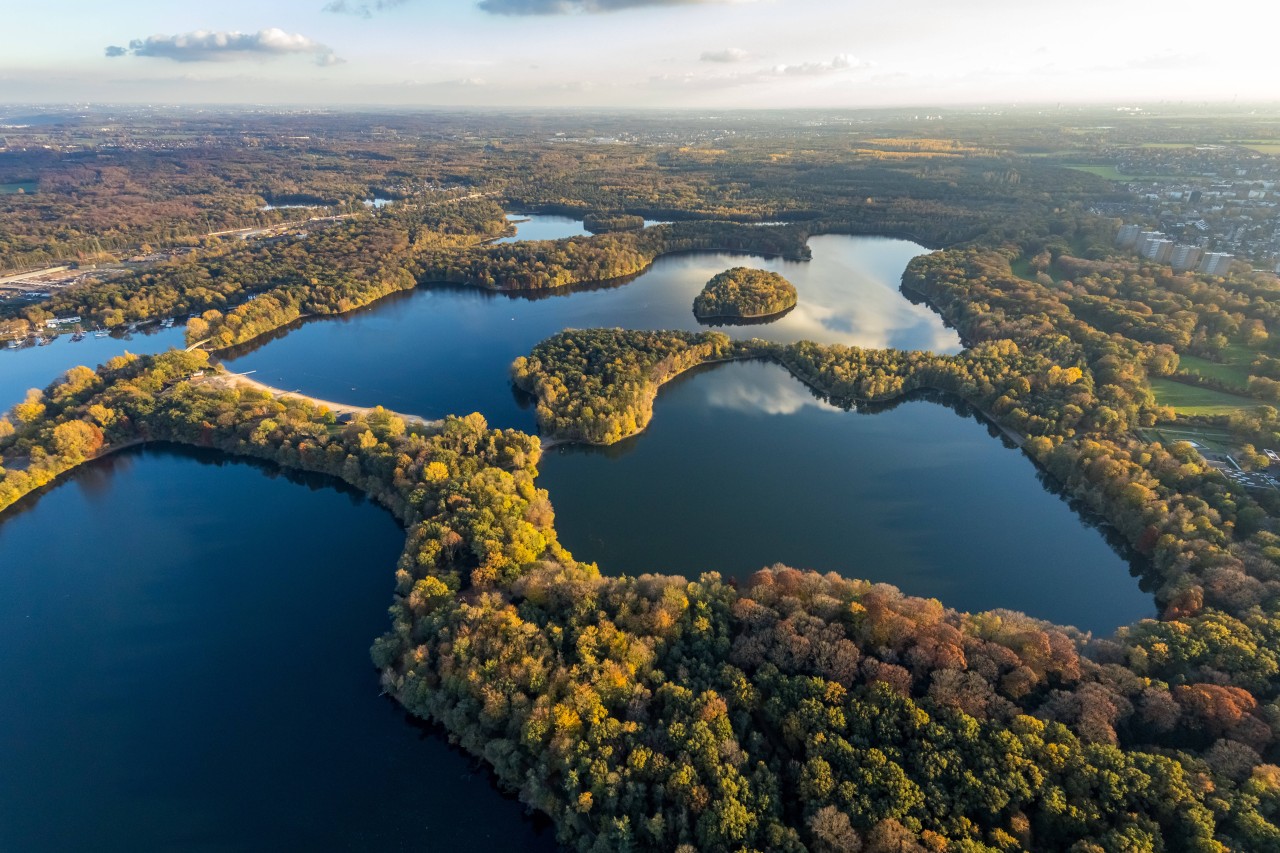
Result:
{"points": [[636, 53]]}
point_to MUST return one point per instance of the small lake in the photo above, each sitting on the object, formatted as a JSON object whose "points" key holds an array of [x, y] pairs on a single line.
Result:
{"points": [[742, 467], [543, 226], [38, 366], [448, 349], [186, 666], [538, 226]]}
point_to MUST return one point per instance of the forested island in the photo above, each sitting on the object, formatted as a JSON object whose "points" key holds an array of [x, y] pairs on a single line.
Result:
{"points": [[744, 293], [600, 223], [795, 711]]}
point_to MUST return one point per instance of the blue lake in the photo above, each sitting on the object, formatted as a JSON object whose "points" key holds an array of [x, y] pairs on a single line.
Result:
{"points": [[448, 350], [186, 639], [186, 667], [743, 467]]}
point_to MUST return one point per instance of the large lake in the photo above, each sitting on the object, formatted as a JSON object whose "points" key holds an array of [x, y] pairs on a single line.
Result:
{"points": [[186, 666], [743, 467], [186, 643], [448, 350]]}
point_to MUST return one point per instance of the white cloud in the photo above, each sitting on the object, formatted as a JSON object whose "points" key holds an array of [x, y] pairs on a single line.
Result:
{"points": [[575, 7], [729, 54], [842, 62], [364, 10], [211, 46]]}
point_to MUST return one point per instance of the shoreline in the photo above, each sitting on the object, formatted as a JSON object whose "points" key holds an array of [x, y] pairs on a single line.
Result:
{"points": [[553, 440], [225, 377], [728, 319], [424, 283]]}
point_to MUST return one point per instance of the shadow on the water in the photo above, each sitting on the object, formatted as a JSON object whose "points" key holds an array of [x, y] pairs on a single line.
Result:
{"points": [[95, 476], [543, 829], [722, 322], [524, 400], [917, 299]]}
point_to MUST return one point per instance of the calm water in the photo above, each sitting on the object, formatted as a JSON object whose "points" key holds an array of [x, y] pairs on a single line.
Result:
{"points": [[186, 643], [454, 345], [540, 226], [186, 667], [537, 226], [743, 467], [36, 366]]}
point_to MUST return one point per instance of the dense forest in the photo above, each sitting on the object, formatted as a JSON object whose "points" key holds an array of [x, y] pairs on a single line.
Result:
{"points": [[742, 292], [797, 712], [601, 223], [101, 190], [241, 291]]}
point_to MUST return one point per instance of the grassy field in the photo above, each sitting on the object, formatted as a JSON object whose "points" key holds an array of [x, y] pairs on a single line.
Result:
{"points": [[1234, 373], [1262, 147], [1190, 400], [1022, 269], [1209, 438]]}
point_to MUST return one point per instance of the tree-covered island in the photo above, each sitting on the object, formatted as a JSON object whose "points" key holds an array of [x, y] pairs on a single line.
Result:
{"points": [[744, 293]]}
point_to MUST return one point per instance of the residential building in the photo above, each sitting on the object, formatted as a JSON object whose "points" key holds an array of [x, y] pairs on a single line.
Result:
{"points": [[1185, 257], [1216, 263]]}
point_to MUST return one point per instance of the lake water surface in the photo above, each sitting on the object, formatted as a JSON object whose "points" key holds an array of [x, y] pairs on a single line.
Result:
{"points": [[38, 366], [186, 643], [540, 226], [186, 666], [743, 467], [448, 350]]}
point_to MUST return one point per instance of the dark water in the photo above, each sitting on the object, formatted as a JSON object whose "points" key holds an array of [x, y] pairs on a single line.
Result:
{"points": [[186, 667], [37, 366], [448, 350], [743, 467], [186, 644]]}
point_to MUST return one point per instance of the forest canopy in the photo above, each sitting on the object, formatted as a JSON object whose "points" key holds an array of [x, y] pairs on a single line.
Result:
{"points": [[742, 292], [795, 711]]}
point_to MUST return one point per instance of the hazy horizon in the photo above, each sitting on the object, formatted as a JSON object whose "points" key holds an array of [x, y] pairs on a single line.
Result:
{"points": [[636, 54]]}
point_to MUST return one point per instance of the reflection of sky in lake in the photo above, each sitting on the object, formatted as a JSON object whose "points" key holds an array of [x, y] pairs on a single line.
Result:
{"points": [[849, 294], [535, 226], [448, 350], [539, 226], [763, 392]]}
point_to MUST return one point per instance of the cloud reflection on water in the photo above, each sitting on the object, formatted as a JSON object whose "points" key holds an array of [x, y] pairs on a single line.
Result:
{"points": [[773, 392], [849, 294]]}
